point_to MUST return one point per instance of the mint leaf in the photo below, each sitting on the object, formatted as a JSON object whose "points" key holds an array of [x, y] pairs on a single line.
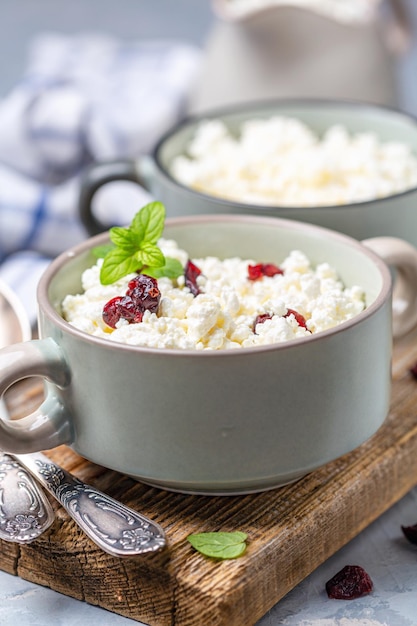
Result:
{"points": [[171, 269], [149, 222], [149, 254], [135, 248], [101, 251], [219, 545], [124, 238], [117, 263]]}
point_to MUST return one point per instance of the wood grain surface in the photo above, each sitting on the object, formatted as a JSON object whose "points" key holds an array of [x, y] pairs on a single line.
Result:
{"points": [[291, 530]]}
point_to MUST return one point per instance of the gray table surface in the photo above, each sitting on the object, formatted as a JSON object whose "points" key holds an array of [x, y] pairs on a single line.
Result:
{"points": [[381, 548]]}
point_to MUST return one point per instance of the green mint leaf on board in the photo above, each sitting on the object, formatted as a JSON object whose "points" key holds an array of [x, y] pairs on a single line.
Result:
{"points": [[219, 545], [135, 249]]}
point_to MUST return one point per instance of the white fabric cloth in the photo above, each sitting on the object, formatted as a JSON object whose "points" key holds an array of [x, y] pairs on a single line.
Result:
{"points": [[92, 97], [83, 98]]}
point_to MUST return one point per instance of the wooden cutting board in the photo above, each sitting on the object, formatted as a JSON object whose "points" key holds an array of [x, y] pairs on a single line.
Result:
{"points": [[291, 530]]}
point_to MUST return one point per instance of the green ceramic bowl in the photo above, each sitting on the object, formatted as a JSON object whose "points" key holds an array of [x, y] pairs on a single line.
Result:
{"points": [[217, 422], [394, 215]]}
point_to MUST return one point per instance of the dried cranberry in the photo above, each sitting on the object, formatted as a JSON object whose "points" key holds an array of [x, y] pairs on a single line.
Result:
{"points": [[142, 295], [255, 272], [413, 370], [270, 269], [410, 533], [191, 273], [300, 319], [260, 319], [143, 290], [351, 582], [111, 313], [129, 310]]}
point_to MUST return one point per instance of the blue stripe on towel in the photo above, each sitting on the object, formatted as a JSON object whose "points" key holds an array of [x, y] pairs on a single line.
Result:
{"points": [[38, 217]]}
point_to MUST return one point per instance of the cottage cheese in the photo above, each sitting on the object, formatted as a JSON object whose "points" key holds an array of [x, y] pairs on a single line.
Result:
{"points": [[280, 161], [223, 314]]}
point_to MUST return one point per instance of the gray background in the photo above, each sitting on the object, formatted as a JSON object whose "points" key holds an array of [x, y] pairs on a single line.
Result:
{"points": [[20, 20], [189, 20]]}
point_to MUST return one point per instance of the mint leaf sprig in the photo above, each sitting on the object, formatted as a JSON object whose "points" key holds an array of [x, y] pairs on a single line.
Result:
{"points": [[219, 545], [135, 248]]}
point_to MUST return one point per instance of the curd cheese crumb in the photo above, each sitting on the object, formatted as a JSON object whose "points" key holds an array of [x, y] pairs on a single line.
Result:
{"points": [[231, 311], [280, 161]]}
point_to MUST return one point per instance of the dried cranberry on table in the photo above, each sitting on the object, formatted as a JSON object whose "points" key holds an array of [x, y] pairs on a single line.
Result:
{"points": [[142, 295], [350, 583], [191, 273], [410, 532], [255, 272]]}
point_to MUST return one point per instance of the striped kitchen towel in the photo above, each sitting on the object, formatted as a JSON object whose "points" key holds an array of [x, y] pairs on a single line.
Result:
{"points": [[83, 98]]}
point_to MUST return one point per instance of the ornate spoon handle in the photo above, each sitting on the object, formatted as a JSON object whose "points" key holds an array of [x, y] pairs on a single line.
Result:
{"points": [[114, 527], [25, 511]]}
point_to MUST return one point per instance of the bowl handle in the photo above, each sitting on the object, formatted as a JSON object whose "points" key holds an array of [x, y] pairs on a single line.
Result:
{"points": [[49, 425], [402, 256], [99, 174]]}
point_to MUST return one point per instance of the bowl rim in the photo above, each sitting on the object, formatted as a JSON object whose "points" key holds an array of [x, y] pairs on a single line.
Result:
{"points": [[65, 327], [257, 106]]}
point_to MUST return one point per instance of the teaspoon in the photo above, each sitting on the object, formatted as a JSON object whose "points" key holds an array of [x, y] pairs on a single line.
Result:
{"points": [[114, 527], [25, 511]]}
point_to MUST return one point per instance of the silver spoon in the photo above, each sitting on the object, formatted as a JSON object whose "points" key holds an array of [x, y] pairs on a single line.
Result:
{"points": [[114, 527], [25, 511]]}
